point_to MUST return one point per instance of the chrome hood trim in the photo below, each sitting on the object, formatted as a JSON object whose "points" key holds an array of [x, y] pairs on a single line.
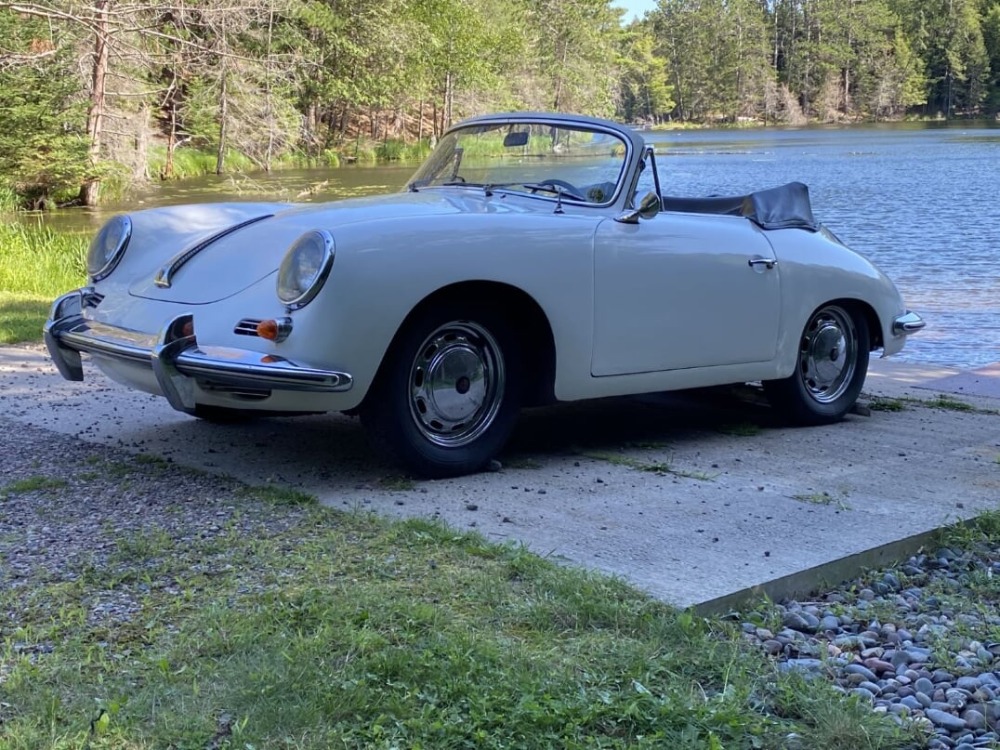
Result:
{"points": [[164, 276]]}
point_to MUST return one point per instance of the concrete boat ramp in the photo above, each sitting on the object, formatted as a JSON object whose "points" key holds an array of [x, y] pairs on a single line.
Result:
{"points": [[700, 498]]}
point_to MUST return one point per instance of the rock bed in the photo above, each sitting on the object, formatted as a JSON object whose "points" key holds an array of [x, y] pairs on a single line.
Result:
{"points": [[916, 642]]}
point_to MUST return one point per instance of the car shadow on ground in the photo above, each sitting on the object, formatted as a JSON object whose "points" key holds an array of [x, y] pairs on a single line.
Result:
{"points": [[332, 450], [637, 422]]}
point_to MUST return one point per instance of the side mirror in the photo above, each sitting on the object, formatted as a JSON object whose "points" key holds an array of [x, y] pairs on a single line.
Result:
{"points": [[649, 207]]}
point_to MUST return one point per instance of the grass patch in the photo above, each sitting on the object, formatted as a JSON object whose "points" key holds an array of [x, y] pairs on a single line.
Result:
{"points": [[37, 264], [823, 498], [32, 484], [521, 462], [277, 494], [952, 404], [340, 630], [22, 317], [741, 429], [654, 467], [395, 149], [396, 483], [983, 530], [195, 162], [882, 403]]}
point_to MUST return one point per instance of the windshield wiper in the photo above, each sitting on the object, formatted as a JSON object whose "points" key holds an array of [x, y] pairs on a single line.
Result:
{"points": [[413, 187], [490, 187], [557, 189]]}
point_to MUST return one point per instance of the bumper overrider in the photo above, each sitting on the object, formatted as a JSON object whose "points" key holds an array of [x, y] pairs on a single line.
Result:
{"points": [[910, 322], [174, 356]]}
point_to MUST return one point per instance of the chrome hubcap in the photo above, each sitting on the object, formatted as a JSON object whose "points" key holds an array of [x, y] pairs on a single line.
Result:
{"points": [[456, 384], [828, 354]]}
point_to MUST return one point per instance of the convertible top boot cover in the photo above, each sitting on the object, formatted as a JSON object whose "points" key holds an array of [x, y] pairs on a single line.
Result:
{"points": [[784, 207]]}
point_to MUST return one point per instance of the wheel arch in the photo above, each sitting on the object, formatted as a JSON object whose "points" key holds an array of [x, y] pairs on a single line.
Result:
{"points": [[526, 315], [860, 307]]}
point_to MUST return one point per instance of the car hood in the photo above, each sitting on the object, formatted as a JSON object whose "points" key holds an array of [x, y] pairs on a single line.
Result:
{"points": [[203, 253]]}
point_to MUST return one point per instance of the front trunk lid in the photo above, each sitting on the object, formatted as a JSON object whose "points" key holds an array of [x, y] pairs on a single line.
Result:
{"points": [[248, 246]]}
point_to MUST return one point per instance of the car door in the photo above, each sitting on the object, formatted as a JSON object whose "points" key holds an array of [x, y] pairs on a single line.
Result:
{"points": [[683, 290]]}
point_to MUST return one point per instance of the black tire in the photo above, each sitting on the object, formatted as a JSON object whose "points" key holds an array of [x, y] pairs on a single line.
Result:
{"points": [[830, 370], [448, 393]]}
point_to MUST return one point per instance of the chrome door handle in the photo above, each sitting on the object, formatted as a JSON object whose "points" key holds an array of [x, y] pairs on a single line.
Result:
{"points": [[768, 263]]}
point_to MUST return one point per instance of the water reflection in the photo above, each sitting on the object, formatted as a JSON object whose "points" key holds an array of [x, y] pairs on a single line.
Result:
{"points": [[919, 199]]}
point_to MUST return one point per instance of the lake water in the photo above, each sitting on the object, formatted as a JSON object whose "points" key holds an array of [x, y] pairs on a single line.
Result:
{"points": [[922, 201]]}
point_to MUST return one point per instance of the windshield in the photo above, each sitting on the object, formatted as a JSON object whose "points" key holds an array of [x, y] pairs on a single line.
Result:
{"points": [[574, 163]]}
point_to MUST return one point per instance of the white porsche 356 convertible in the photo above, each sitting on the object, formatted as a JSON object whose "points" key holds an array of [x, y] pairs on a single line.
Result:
{"points": [[532, 258]]}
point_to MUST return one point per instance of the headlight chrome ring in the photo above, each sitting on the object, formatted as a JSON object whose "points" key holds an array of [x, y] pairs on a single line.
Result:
{"points": [[108, 247], [305, 268]]}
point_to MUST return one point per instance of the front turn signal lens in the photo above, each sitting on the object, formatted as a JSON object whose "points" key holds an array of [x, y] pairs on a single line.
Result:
{"points": [[275, 330]]}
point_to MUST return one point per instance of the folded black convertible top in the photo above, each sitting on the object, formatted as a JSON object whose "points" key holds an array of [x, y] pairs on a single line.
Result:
{"points": [[784, 207]]}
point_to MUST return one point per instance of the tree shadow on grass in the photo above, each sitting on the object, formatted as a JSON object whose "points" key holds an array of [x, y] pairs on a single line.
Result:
{"points": [[22, 317]]}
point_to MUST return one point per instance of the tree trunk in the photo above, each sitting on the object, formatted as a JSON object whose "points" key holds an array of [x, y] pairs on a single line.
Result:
{"points": [[140, 170], [91, 188], [220, 156], [449, 96]]}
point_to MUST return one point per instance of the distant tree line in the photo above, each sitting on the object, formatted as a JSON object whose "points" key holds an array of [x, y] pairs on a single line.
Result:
{"points": [[794, 61], [94, 93]]}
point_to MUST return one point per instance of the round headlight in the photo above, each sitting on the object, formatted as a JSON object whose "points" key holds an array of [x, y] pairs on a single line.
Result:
{"points": [[108, 246], [304, 268]]}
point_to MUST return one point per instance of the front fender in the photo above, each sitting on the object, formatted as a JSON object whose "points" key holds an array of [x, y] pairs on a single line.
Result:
{"points": [[382, 271], [817, 269]]}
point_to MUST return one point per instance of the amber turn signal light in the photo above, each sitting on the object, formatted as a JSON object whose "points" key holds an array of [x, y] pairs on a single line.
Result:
{"points": [[268, 329], [274, 330]]}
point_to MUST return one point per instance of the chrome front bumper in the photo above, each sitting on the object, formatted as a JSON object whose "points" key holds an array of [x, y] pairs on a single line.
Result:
{"points": [[908, 323], [177, 361]]}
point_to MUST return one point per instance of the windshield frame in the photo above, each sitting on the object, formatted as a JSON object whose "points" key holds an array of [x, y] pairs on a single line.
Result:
{"points": [[497, 122]]}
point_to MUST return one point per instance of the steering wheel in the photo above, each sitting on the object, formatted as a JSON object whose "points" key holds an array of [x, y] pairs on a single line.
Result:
{"points": [[567, 188]]}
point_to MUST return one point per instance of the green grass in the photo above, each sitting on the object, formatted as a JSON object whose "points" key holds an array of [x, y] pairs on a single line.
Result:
{"points": [[21, 317], [346, 631], [36, 265], [280, 495], [815, 498], [195, 162], [395, 149], [951, 404], [396, 483], [31, 484], [741, 429], [9, 199], [653, 467], [882, 403]]}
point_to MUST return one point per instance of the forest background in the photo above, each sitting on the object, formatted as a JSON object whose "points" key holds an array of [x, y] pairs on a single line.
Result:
{"points": [[97, 95]]}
